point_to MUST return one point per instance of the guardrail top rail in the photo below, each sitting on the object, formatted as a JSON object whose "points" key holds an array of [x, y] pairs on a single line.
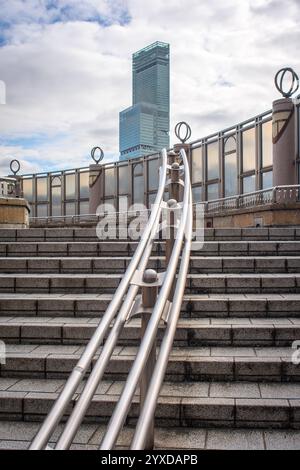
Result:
{"points": [[127, 302]]}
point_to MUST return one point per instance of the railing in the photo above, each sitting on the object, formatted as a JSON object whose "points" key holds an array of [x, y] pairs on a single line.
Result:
{"points": [[160, 301], [277, 194]]}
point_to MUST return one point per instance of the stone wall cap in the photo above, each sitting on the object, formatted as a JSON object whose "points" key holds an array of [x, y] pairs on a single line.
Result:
{"points": [[14, 201]]}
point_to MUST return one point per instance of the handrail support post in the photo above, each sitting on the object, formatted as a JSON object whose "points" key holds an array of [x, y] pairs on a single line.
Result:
{"points": [[149, 295]]}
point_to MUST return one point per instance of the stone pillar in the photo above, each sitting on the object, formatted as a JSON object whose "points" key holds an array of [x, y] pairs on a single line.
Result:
{"points": [[96, 187], [284, 141]]}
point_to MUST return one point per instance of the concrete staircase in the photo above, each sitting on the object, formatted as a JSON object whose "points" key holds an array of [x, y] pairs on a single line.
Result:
{"points": [[230, 381]]}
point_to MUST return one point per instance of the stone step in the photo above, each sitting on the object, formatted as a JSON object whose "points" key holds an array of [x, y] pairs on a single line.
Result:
{"points": [[108, 282], [226, 363], [70, 234], [190, 404], [189, 333], [17, 435], [127, 248], [209, 306], [118, 264]]}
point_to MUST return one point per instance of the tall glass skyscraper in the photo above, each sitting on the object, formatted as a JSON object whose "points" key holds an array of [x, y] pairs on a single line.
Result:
{"points": [[144, 127]]}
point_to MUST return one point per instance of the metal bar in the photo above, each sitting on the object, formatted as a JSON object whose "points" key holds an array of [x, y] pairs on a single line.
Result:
{"points": [[79, 371], [149, 295], [96, 375], [144, 425], [121, 410]]}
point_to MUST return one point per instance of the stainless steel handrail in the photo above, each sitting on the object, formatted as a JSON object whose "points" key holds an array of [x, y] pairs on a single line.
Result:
{"points": [[148, 410], [78, 373], [121, 410], [127, 294]]}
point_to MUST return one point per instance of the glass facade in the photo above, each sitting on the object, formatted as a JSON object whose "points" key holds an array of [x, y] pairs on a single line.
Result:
{"points": [[144, 127]]}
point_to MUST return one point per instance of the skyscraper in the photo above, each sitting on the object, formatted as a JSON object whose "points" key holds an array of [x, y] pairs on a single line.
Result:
{"points": [[144, 127]]}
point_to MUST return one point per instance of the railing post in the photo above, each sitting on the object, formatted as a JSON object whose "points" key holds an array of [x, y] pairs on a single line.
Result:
{"points": [[174, 186], [170, 239], [149, 295]]}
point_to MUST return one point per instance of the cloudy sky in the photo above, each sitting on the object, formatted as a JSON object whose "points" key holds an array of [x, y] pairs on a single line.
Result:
{"points": [[67, 68]]}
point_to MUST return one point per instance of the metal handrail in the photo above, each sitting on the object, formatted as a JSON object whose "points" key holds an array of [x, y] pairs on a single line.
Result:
{"points": [[78, 373], [148, 410], [130, 300], [121, 410]]}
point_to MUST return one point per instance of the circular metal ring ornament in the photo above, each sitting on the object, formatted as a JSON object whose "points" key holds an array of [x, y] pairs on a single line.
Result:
{"points": [[279, 77], [101, 156], [186, 129], [15, 166]]}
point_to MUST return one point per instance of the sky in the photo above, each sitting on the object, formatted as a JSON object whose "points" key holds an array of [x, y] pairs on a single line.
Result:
{"points": [[66, 66]]}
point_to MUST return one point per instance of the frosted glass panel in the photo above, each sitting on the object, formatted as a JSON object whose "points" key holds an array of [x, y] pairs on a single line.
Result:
{"points": [[84, 207], [27, 189], [197, 165], [267, 180], [42, 210], [213, 161], [70, 186], [267, 146], [248, 140], [70, 208], [212, 191], [249, 184], [123, 180], [42, 189], [229, 144], [56, 201], [138, 189], [153, 168], [230, 169], [109, 182], [197, 194], [84, 185]]}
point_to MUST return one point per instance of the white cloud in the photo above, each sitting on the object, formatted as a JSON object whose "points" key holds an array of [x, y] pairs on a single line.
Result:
{"points": [[67, 80]]}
